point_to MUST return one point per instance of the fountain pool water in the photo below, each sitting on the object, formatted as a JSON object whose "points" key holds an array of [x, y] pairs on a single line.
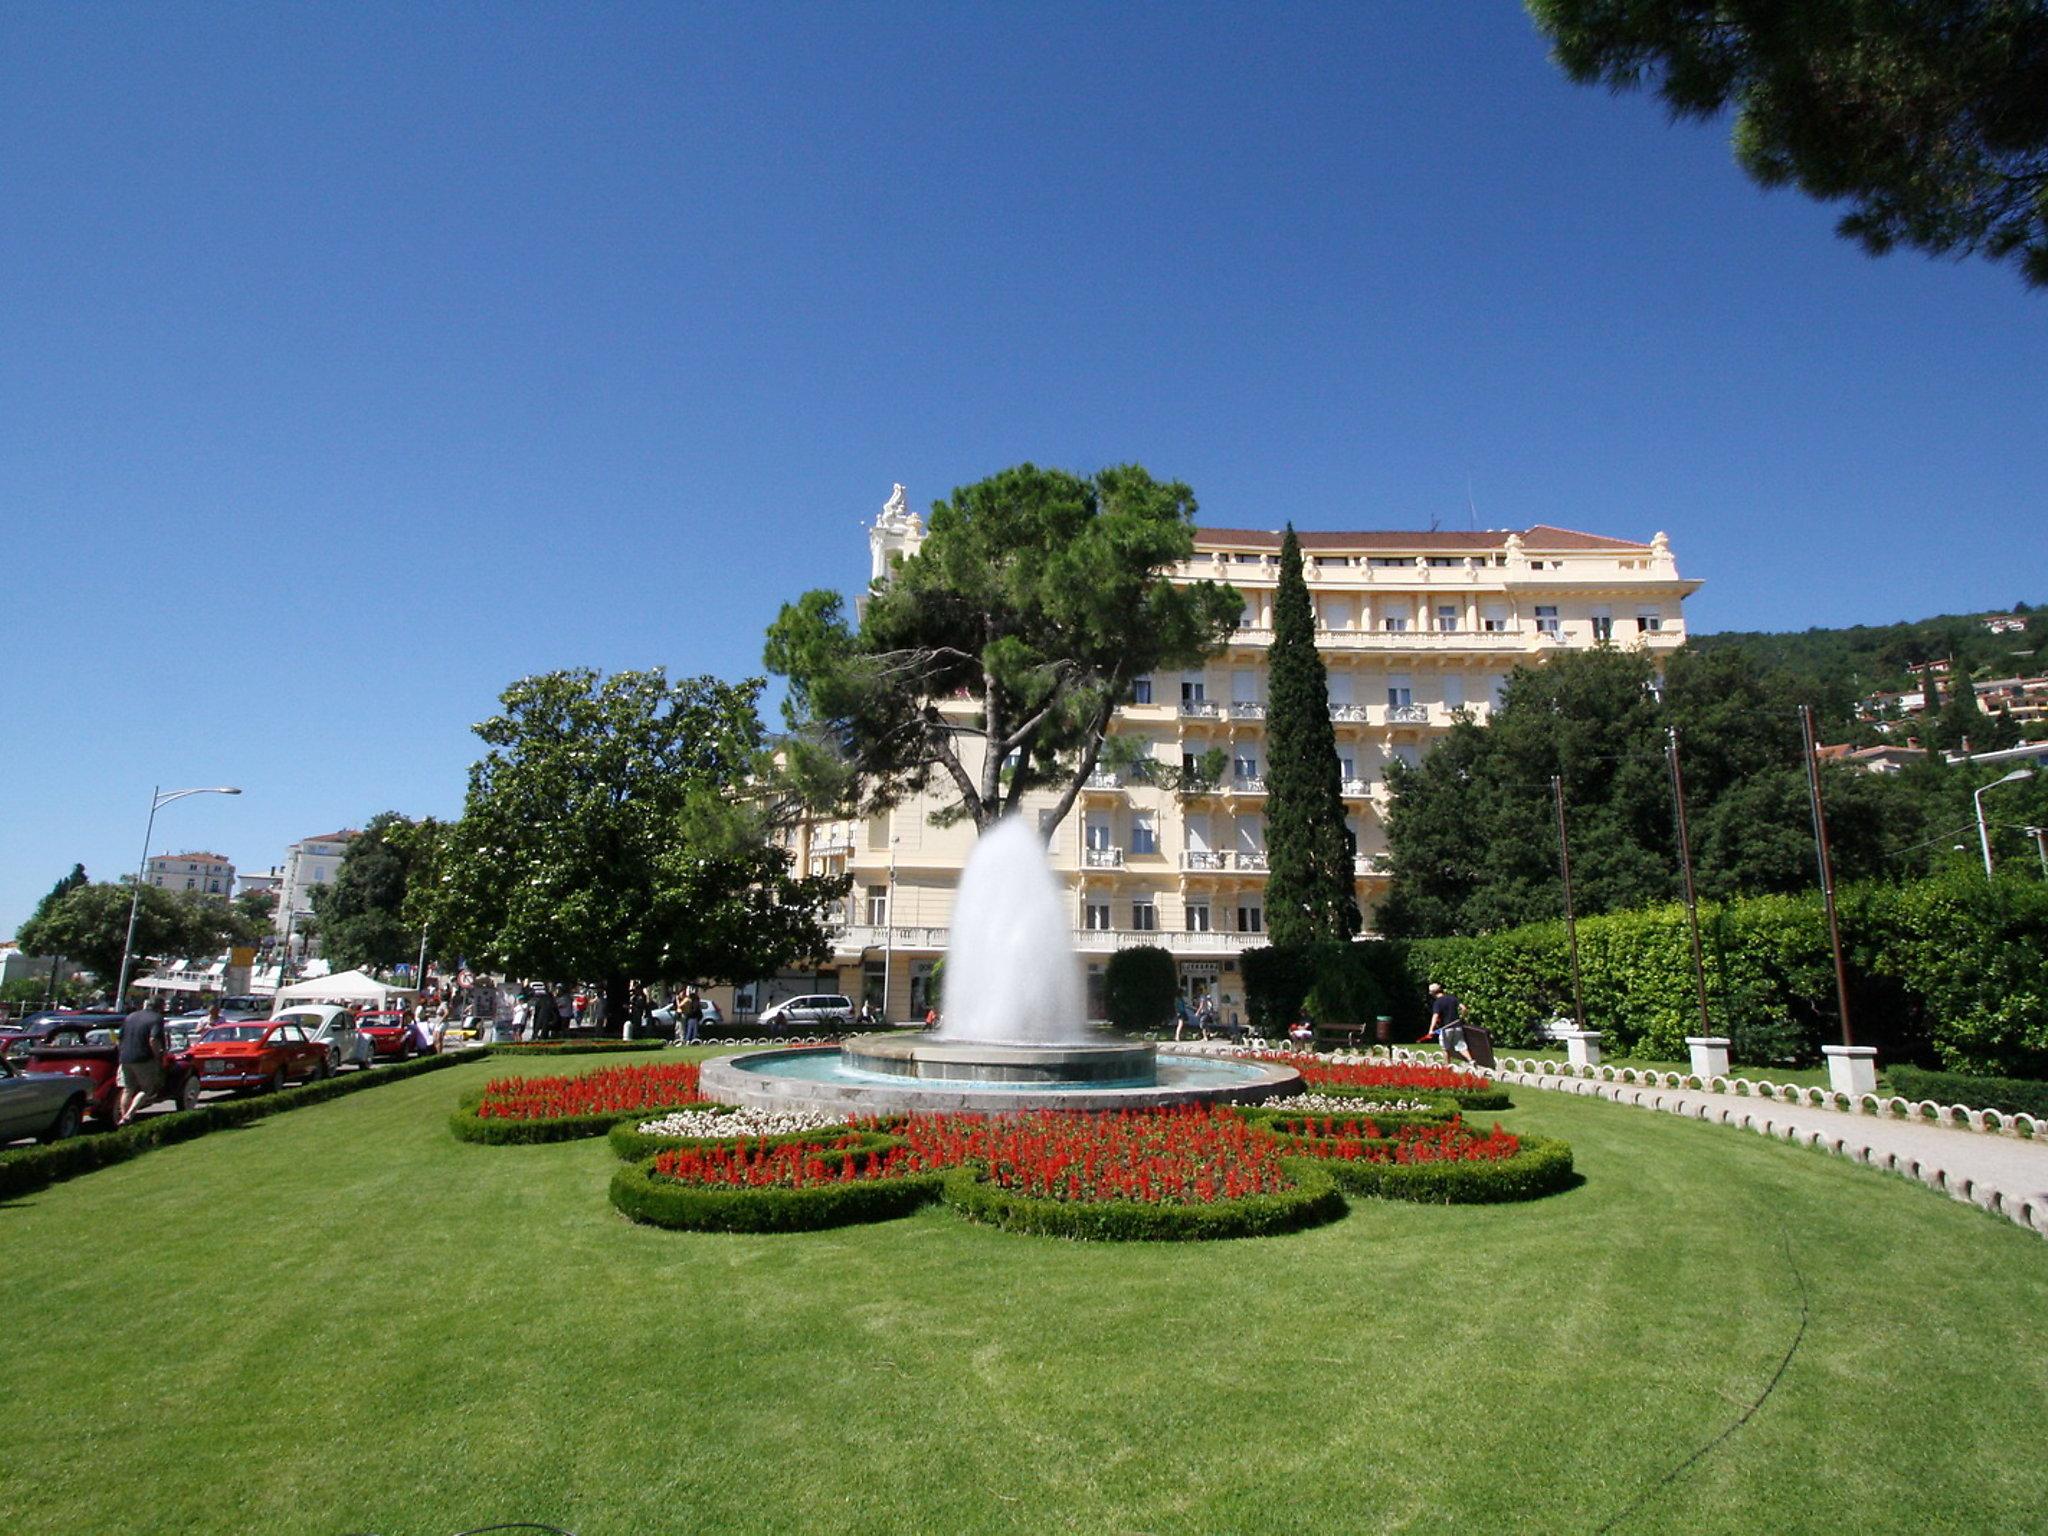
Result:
{"points": [[1015, 1035]]}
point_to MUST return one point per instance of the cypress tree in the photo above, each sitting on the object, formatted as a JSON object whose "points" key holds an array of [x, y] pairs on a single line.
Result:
{"points": [[1309, 849], [1961, 721]]}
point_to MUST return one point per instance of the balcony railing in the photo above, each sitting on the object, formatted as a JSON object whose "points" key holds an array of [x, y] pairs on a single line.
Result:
{"points": [[1251, 861], [1248, 784], [1349, 712], [856, 937], [1104, 778], [1356, 789], [1102, 858], [1203, 858], [1407, 714], [1247, 709], [1099, 940], [1200, 709], [826, 846], [1374, 864]]}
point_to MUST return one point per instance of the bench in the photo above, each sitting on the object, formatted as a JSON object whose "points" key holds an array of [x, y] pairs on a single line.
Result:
{"points": [[1354, 1037]]}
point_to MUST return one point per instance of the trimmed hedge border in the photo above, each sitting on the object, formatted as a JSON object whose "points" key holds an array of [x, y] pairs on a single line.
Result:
{"points": [[2007, 1095], [1542, 1167], [27, 1169], [1466, 1098], [497, 1131], [640, 1195], [632, 1145], [1314, 1199], [1274, 1119]]}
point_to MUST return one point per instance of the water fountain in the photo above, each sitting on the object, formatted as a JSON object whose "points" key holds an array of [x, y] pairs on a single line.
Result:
{"points": [[1015, 1034]]}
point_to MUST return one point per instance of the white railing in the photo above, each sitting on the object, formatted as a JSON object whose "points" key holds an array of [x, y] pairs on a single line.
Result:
{"points": [[1374, 864], [1247, 709], [824, 847], [1251, 860], [1200, 709], [855, 937], [1097, 940], [1248, 783], [1104, 779], [1102, 858], [1407, 714], [1352, 712], [1202, 858], [1356, 788]]}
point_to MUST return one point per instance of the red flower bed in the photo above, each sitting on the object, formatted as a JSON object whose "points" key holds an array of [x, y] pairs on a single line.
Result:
{"points": [[760, 1165], [1317, 1073], [1363, 1141], [611, 1090]]}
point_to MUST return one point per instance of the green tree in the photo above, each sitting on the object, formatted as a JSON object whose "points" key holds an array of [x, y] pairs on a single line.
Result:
{"points": [[59, 891], [89, 925], [362, 910], [1930, 119], [1309, 849], [993, 659], [609, 835], [1960, 724], [258, 909]]}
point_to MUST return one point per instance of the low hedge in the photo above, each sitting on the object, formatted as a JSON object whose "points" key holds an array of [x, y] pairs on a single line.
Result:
{"points": [[1464, 1098], [497, 1131], [1290, 1122], [27, 1169], [2007, 1095], [632, 1145], [1541, 1167], [644, 1196], [1314, 1199]]}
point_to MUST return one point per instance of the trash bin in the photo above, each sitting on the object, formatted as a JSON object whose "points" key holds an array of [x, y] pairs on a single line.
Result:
{"points": [[1384, 1029]]}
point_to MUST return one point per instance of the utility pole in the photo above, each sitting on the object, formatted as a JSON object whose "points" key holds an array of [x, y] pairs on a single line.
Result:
{"points": [[1827, 865], [1692, 905], [1571, 921]]}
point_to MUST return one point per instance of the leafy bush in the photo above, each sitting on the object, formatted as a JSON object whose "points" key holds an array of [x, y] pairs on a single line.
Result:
{"points": [[1541, 1167], [642, 1194], [1342, 983], [1313, 1199], [2007, 1095], [1139, 988]]}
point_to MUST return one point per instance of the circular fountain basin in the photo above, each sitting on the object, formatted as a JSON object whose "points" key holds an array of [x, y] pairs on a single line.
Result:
{"points": [[970, 1077]]}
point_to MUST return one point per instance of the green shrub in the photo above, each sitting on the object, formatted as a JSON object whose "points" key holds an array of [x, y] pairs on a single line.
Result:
{"points": [[1139, 987], [1313, 1200], [647, 1197], [496, 1131], [1293, 1122], [1341, 983], [31, 1168], [1541, 1167], [632, 1145], [2007, 1095]]}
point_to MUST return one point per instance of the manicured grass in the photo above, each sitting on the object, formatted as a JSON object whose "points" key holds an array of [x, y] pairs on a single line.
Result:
{"points": [[345, 1320]]}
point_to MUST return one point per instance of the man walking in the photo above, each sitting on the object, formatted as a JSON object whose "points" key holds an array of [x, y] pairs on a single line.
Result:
{"points": [[545, 1015], [1446, 1021], [143, 1044]]}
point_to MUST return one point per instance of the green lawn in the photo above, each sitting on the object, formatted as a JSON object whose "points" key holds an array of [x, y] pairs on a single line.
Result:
{"points": [[343, 1320]]}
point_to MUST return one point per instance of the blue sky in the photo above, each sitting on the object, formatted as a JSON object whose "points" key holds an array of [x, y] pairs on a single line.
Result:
{"points": [[355, 361]]}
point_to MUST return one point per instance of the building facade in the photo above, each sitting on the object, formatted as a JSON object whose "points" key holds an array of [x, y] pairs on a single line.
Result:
{"points": [[1415, 629], [209, 874], [309, 864]]}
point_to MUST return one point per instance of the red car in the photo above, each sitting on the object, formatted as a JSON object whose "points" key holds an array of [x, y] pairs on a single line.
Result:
{"points": [[391, 1035], [94, 1054], [258, 1055]]}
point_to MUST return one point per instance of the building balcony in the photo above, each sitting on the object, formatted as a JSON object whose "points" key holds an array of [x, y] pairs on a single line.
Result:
{"points": [[1204, 858], [1200, 709], [1407, 714], [1102, 858], [856, 939], [1374, 864], [1095, 941], [1248, 784], [1350, 714], [1356, 789], [1103, 778], [1250, 861], [830, 847], [1246, 709]]}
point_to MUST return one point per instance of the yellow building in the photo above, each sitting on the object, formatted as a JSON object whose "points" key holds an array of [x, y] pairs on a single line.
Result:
{"points": [[1413, 628]]}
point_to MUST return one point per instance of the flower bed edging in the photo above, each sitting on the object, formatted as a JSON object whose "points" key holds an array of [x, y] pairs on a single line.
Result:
{"points": [[1314, 1199], [638, 1193], [633, 1145]]}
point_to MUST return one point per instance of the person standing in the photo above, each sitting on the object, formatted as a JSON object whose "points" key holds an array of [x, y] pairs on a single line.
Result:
{"points": [[546, 1018], [690, 1009], [1205, 1016], [1447, 1021], [593, 1012], [143, 1044]]}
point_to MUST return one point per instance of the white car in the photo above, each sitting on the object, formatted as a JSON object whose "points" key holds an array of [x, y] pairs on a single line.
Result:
{"points": [[335, 1028], [824, 1010]]}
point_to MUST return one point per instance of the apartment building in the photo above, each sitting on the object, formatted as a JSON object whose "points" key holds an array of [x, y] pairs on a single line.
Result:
{"points": [[209, 874], [1414, 628], [309, 863]]}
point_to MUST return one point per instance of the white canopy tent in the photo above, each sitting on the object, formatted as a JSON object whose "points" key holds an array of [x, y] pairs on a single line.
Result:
{"points": [[345, 987]]}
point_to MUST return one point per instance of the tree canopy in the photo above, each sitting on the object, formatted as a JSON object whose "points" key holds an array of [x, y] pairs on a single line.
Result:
{"points": [[992, 659], [1310, 852], [88, 924], [607, 836], [1930, 119], [362, 910]]}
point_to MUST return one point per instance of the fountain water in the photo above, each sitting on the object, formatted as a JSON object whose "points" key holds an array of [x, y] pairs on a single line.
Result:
{"points": [[1015, 1033]]}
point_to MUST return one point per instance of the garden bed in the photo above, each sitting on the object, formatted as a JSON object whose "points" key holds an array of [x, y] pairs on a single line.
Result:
{"points": [[511, 1110]]}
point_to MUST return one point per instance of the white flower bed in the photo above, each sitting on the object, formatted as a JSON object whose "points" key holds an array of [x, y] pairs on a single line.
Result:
{"points": [[1327, 1104], [738, 1122]]}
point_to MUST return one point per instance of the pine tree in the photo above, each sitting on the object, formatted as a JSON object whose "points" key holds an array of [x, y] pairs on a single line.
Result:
{"points": [[1309, 849], [1960, 726]]}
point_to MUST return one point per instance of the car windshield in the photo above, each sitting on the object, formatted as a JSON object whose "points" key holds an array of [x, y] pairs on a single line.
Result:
{"points": [[224, 1033], [311, 1021]]}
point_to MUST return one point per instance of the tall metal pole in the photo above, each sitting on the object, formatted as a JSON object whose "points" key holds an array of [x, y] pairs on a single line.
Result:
{"points": [[1983, 830], [1827, 866], [889, 934], [1571, 921], [2040, 837], [1692, 905], [135, 901], [419, 976]]}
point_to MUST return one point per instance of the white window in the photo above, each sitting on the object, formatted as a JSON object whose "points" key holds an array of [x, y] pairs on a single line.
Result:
{"points": [[1340, 687], [1395, 621], [1603, 623], [1347, 766], [1095, 832], [1251, 834], [1400, 692], [1248, 617], [1495, 620], [1496, 690], [1546, 619], [1251, 918], [1447, 617], [1649, 621], [1144, 832], [1198, 917], [1454, 691], [1096, 916], [1244, 687], [1246, 559], [1245, 765], [1337, 613], [878, 906], [1197, 829], [1193, 690], [1141, 690], [1144, 916]]}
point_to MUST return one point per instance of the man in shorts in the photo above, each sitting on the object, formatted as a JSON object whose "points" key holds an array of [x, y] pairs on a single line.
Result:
{"points": [[143, 1044], [1447, 1021]]}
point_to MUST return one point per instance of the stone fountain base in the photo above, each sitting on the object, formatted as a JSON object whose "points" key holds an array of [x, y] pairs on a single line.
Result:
{"points": [[924, 1055]]}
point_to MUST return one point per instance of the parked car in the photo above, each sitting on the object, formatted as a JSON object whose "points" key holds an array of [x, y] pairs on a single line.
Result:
{"points": [[824, 1010], [335, 1028], [19, 1036], [92, 1056], [44, 1105], [233, 1010], [261, 1055], [391, 1033]]}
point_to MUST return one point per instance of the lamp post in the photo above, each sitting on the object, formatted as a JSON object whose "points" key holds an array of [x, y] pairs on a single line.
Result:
{"points": [[1983, 831], [159, 798], [2040, 837]]}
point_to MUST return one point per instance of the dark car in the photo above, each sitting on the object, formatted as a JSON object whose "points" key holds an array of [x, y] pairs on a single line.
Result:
{"points": [[17, 1038], [47, 1107], [92, 1056]]}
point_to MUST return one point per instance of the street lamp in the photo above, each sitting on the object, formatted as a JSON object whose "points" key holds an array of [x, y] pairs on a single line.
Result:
{"points": [[1983, 831], [159, 798]]}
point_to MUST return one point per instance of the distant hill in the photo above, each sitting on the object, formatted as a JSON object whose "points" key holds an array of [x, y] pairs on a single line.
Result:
{"points": [[1872, 657]]}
